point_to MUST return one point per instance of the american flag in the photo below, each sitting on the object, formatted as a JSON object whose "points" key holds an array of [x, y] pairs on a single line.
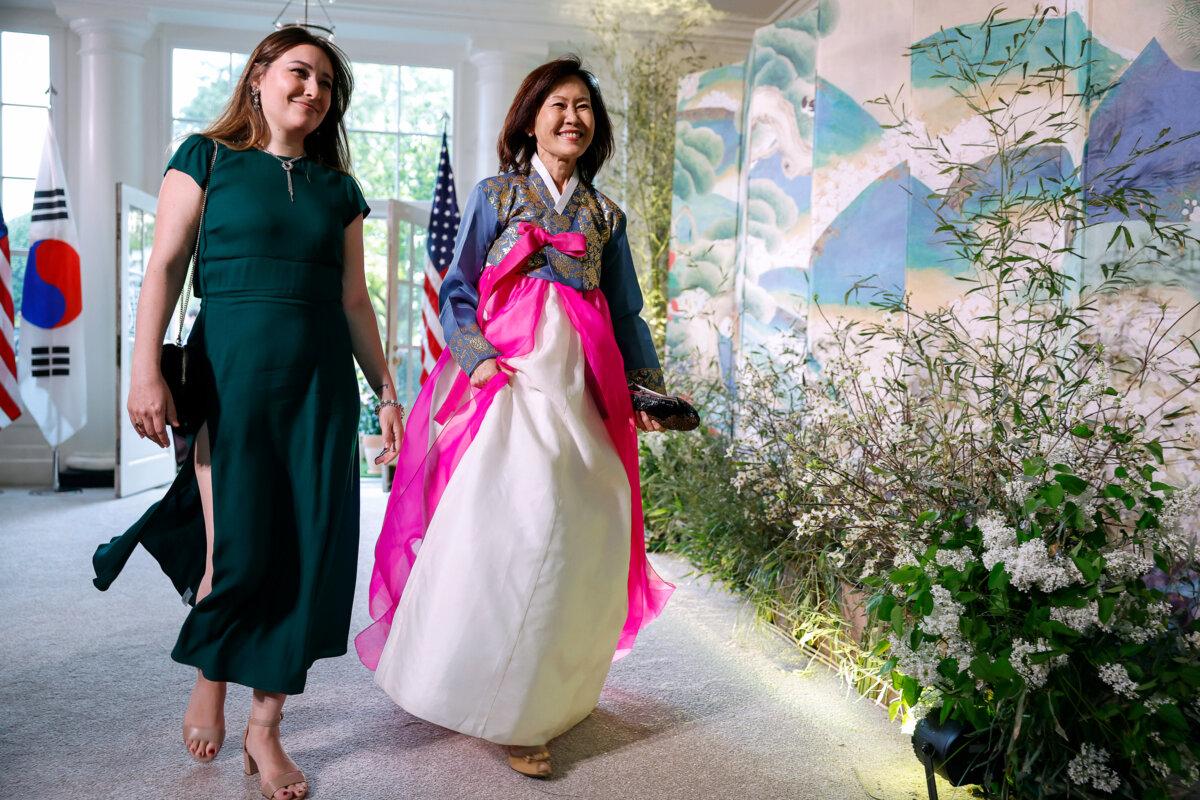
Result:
{"points": [[443, 228], [9, 410]]}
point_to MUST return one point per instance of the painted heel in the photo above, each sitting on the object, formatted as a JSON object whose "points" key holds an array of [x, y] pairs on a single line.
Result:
{"points": [[248, 765], [532, 765], [269, 786]]}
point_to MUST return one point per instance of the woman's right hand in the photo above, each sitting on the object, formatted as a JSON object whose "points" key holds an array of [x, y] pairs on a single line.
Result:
{"points": [[151, 408], [484, 372]]}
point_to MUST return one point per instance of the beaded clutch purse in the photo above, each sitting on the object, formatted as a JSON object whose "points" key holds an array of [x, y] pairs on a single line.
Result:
{"points": [[671, 411]]}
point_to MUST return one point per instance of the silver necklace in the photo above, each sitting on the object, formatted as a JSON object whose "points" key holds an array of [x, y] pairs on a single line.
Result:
{"points": [[287, 164]]}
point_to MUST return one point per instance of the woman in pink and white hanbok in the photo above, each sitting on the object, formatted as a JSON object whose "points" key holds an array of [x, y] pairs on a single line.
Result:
{"points": [[511, 569]]}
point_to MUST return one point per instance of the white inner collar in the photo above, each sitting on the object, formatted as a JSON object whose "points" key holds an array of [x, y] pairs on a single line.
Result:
{"points": [[560, 198]]}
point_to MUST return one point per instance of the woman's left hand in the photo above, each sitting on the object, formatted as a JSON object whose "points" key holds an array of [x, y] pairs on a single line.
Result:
{"points": [[391, 423], [646, 423]]}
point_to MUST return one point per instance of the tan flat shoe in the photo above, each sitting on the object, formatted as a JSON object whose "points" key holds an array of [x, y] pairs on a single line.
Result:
{"points": [[535, 764], [193, 734], [269, 786]]}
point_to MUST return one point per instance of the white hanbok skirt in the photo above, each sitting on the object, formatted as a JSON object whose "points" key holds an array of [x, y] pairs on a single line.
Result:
{"points": [[512, 613]]}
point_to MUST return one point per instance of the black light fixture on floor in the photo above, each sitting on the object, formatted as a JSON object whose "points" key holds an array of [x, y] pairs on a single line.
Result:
{"points": [[952, 750]]}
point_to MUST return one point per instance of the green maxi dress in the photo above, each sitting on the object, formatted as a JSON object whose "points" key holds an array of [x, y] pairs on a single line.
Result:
{"points": [[282, 409]]}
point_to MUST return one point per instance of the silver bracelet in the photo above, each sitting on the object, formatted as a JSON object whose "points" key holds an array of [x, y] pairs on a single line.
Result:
{"points": [[383, 403]]}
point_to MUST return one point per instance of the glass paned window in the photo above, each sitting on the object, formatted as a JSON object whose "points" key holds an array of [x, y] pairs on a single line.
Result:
{"points": [[24, 115], [201, 83], [395, 126]]}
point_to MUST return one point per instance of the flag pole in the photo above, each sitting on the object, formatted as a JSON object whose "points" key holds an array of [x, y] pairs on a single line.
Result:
{"points": [[54, 353]]}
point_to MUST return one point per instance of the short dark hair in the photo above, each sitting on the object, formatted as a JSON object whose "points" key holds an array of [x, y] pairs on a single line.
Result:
{"points": [[516, 146]]}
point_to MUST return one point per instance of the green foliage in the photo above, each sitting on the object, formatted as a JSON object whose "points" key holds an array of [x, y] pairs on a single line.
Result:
{"points": [[210, 98], [974, 466], [18, 238], [1003, 497], [368, 421], [700, 504]]}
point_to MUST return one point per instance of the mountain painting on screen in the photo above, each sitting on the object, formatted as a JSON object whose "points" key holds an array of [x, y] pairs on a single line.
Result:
{"points": [[1153, 94]]}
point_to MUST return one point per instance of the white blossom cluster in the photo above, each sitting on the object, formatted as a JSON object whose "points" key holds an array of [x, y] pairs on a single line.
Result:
{"points": [[1176, 519], [1156, 702], [1083, 619], [997, 534], [1028, 564], [942, 622], [815, 521], [1158, 617], [657, 445], [1116, 676], [1017, 491], [822, 410], [1090, 768], [1126, 565], [1057, 448], [1193, 640], [1034, 566], [1035, 675], [956, 558], [904, 558], [1137, 634], [1132, 324], [960, 650], [920, 664]]}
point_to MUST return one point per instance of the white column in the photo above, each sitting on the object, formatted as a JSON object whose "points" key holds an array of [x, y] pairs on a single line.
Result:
{"points": [[111, 148], [498, 75]]}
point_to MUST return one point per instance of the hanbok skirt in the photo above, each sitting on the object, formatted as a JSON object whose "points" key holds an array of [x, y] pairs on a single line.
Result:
{"points": [[523, 503]]}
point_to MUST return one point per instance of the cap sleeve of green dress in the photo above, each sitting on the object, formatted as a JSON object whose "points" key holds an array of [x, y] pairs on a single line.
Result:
{"points": [[355, 202], [192, 158]]}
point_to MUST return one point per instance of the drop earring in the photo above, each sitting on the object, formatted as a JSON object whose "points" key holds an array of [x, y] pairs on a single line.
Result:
{"points": [[254, 98]]}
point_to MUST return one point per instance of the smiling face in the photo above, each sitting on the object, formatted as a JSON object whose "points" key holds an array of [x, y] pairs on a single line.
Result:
{"points": [[296, 90], [564, 125]]}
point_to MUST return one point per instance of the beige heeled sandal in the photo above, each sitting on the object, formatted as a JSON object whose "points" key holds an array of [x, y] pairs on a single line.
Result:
{"points": [[270, 786], [533, 765], [198, 733]]}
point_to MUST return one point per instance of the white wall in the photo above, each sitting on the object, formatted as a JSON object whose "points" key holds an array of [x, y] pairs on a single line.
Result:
{"points": [[489, 51]]}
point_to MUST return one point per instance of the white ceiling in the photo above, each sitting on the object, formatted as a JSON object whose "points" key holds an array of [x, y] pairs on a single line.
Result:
{"points": [[741, 13], [453, 25]]}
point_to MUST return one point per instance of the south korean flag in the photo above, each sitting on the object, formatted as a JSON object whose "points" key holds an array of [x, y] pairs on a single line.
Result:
{"points": [[50, 362]]}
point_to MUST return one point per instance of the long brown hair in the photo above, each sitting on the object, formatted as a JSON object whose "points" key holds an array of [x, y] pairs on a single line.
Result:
{"points": [[516, 145], [241, 126]]}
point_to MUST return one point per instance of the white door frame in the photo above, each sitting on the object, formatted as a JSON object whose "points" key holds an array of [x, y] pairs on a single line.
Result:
{"points": [[141, 464]]}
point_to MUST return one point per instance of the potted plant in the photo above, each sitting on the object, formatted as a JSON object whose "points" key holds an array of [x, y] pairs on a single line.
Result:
{"points": [[370, 435]]}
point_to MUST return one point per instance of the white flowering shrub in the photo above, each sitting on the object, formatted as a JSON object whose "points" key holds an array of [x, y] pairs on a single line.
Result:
{"points": [[1007, 474], [1032, 589], [983, 466]]}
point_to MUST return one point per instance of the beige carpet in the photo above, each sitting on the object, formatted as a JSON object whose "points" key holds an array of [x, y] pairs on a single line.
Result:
{"points": [[709, 705]]}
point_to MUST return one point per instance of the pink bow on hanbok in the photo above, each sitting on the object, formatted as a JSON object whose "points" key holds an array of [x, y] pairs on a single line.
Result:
{"points": [[532, 238], [508, 314]]}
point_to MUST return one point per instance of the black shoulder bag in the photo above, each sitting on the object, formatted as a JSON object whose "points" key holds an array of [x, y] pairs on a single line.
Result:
{"points": [[179, 364]]}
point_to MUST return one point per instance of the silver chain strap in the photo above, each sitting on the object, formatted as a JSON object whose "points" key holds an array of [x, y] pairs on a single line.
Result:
{"points": [[193, 264]]}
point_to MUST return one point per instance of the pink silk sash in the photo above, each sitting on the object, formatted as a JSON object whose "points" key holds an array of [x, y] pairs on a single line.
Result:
{"points": [[510, 308]]}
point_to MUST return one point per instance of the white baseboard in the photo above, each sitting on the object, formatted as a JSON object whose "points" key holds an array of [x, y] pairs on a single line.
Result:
{"points": [[25, 458]]}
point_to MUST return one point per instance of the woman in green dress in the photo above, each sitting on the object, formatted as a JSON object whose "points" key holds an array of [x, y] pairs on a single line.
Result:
{"points": [[260, 528]]}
